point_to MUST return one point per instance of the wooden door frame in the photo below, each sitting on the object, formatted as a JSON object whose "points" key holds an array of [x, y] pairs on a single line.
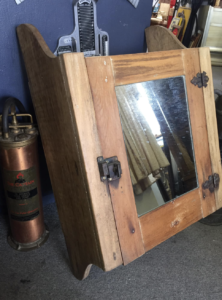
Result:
{"points": [[137, 235]]}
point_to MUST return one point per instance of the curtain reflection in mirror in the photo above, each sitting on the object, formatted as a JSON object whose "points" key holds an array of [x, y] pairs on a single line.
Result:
{"points": [[145, 156], [156, 129]]}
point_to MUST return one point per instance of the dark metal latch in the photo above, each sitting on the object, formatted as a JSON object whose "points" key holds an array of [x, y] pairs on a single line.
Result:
{"points": [[200, 80], [212, 183], [109, 168]]}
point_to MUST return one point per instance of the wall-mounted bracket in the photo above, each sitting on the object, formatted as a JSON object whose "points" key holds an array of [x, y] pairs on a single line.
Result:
{"points": [[109, 168], [200, 80], [212, 183]]}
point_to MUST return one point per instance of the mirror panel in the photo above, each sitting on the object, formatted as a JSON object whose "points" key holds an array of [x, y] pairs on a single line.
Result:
{"points": [[158, 139]]}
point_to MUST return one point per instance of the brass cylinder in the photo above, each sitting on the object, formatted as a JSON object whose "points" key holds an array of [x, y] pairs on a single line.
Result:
{"points": [[20, 174]]}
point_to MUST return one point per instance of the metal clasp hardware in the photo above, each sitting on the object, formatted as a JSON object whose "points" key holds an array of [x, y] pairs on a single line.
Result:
{"points": [[109, 168], [14, 126], [212, 183], [200, 80]]}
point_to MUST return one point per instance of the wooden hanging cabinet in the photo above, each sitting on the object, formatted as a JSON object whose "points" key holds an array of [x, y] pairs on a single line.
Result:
{"points": [[76, 105]]}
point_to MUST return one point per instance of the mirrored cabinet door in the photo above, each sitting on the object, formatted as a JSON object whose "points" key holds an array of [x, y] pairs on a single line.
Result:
{"points": [[155, 121], [158, 138]]}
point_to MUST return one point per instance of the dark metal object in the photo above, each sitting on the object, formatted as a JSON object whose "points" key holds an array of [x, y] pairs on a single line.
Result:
{"points": [[212, 183], [200, 80], [86, 37], [216, 180], [109, 168], [8, 103]]}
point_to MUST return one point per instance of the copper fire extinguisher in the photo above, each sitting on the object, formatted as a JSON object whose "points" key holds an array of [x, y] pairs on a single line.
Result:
{"points": [[20, 175]]}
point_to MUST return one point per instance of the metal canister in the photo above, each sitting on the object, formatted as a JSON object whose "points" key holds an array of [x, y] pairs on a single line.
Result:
{"points": [[20, 176]]}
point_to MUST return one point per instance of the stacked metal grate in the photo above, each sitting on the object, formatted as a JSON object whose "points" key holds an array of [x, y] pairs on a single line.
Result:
{"points": [[86, 26]]}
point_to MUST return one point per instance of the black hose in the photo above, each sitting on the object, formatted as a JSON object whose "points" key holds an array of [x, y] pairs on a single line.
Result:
{"points": [[8, 103]]}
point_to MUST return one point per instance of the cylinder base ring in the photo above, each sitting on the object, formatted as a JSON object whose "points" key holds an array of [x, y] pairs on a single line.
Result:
{"points": [[28, 246]]}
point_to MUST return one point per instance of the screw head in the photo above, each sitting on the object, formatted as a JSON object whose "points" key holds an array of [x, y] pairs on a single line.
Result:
{"points": [[110, 179]]}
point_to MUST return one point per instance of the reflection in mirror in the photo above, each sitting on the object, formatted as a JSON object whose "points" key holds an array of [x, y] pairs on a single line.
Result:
{"points": [[157, 134]]}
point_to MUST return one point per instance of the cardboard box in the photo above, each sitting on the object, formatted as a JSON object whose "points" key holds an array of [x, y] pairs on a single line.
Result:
{"points": [[165, 7]]}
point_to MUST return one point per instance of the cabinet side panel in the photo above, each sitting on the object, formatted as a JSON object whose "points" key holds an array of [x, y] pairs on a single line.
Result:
{"points": [[212, 130], [54, 110], [159, 38]]}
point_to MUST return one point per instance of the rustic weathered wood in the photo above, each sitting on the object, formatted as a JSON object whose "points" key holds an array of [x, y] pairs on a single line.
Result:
{"points": [[134, 68], [81, 97], [159, 38], [198, 121], [64, 108], [210, 110], [78, 117], [151, 66], [171, 218], [164, 222], [112, 144]]}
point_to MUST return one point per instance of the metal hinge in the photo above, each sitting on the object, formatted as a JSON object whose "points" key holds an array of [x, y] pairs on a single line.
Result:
{"points": [[109, 168], [212, 183], [200, 80]]}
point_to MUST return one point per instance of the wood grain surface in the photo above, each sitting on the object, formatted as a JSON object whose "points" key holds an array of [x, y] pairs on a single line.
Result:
{"points": [[112, 144], [198, 121], [63, 104], [210, 110], [171, 218], [134, 68]]}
